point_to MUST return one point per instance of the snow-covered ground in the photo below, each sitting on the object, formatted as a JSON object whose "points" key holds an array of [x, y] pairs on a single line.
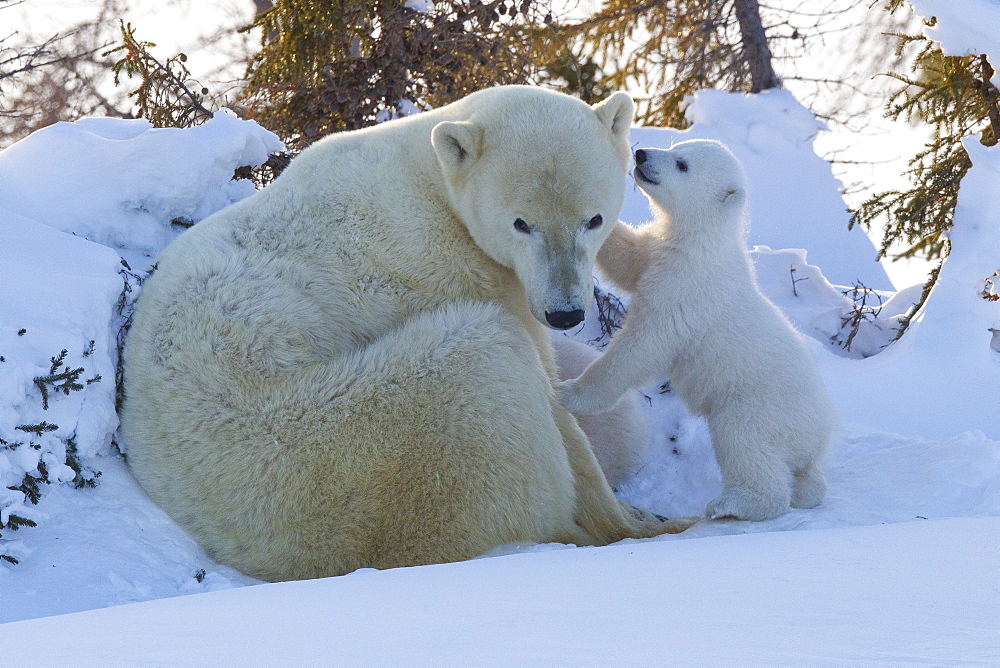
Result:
{"points": [[894, 594], [899, 564]]}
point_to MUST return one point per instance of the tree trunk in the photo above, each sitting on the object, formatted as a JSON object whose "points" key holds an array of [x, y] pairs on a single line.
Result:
{"points": [[755, 49]]}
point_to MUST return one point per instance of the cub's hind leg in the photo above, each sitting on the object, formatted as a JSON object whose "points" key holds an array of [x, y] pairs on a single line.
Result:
{"points": [[808, 487]]}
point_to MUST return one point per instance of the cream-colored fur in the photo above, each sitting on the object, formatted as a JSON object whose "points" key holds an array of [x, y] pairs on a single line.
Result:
{"points": [[349, 369], [618, 436], [698, 319]]}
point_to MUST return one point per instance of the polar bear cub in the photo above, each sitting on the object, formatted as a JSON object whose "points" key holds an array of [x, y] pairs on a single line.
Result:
{"points": [[698, 318]]}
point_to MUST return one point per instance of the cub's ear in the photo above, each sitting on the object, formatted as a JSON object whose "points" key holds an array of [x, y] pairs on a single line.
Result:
{"points": [[616, 114], [457, 145]]}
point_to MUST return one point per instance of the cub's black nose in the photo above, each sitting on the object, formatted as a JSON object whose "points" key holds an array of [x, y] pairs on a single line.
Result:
{"points": [[564, 319], [640, 157]]}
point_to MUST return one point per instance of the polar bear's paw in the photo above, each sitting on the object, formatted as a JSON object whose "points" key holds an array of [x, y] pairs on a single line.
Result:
{"points": [[658, 524], [575, 401], [679, 524], [745, 504], [643, 515]]}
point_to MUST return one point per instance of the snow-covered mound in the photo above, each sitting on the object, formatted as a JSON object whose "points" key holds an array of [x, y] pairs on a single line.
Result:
{"points": [[944, 375], [794, 199], [849, 321], [122, 183], [58, 330], [105, 546]]}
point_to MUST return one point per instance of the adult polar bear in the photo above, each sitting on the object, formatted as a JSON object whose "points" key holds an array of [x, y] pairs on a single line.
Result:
{"points": [[349, 369]]}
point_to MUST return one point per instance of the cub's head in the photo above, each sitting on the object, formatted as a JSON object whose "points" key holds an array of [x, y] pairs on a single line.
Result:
{"points": [[696, 180], [538, 178]]}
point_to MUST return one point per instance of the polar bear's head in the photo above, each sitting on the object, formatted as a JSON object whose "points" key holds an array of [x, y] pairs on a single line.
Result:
{"points": [[698, 180], [538, 178]]}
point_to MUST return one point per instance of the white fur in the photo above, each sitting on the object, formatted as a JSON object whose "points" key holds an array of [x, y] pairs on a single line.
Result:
{"points": [[618, 436], [344, 370], [698, 319]]}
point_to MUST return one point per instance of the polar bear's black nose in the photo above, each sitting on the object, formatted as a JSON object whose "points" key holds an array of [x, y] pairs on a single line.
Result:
{"points": [[640, 157], [564, 319]]}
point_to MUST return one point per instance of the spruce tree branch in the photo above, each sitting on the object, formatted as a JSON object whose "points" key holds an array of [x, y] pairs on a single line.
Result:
{"points": [[605, 16], [991, 97], [178, 82]]}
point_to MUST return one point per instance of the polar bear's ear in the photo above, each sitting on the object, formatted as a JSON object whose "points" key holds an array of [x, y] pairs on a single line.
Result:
{"points": [[457, 145], [616, 113]]}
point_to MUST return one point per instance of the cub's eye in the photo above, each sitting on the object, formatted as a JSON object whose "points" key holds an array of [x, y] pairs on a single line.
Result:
{"points": [[595, 222], [522, 226], [682, 165]]}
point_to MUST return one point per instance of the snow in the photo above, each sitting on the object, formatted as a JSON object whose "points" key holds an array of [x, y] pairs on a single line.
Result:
{"points": [[58, 293], [898, 565], [423, 6], [964, 27], [105, 547], [888, 594]]}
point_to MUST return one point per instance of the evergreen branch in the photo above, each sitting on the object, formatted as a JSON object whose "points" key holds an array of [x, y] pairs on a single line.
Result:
{"points": [[37, 429], [955, 97], [991, 97], [63, 381], [158, 81]]}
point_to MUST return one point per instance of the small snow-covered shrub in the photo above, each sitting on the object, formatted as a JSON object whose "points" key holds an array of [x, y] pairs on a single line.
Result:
{"points": [[57, 327], [35, 452], [75, 198]]}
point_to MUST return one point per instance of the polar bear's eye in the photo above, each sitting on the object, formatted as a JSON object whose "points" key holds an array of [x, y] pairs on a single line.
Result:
{"points": [[595, 222], [682, 165], [522, 226]]}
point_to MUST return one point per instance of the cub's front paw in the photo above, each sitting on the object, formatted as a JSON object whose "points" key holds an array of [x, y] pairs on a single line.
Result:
{"points": [[574, 400]]}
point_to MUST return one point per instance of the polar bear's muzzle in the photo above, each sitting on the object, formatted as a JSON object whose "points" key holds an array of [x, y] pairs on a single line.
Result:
{"points": [[644, 171]]}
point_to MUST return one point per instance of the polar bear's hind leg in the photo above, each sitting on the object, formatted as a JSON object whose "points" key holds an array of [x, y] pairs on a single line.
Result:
{"points": [[757, 483]]}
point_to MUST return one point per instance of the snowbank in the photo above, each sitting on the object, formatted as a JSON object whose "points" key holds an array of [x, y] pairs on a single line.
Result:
{"points": [[944, 374], [101, 547], [122, 183], [848, 321], [59, 293]]}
